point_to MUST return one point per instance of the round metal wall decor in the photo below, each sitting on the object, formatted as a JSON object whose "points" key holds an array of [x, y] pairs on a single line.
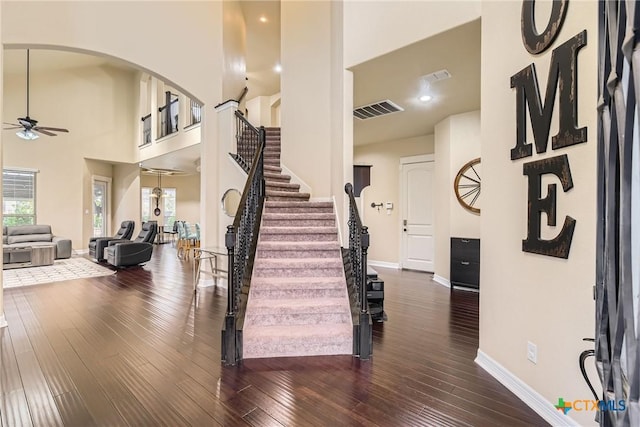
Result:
{"points": [[467, 186]]}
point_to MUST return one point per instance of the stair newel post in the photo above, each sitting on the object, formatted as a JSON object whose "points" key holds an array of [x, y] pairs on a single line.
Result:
{"points": [[229, 336], [364, 243], [365, 326]]}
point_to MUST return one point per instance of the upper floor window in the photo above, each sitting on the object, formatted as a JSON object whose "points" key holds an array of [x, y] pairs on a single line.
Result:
{"points": [[18, 197]]}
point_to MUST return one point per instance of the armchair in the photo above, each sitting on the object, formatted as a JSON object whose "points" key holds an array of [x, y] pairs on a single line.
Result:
{"points": [[98, 244], [124, 253]]}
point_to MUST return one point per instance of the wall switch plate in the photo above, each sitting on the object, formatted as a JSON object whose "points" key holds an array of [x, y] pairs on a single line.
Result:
{"points": [[532, 352]]}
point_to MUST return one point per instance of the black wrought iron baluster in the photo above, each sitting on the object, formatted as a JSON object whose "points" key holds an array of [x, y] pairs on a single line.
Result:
{"points": [[243, 234], [358, 247]]}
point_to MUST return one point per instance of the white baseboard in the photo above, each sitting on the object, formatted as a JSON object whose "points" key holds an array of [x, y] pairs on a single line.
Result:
{"points": [[81, 251], [441, 281], [385, 264], [524, 392], [3, 321]]}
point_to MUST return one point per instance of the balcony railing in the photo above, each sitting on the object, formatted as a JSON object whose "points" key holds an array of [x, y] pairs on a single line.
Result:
{"points": [[168, 115], [241, 240], [146, 130], [196, 113], [357, 278]]}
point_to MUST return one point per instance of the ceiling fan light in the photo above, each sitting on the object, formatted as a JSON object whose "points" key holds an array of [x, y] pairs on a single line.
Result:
{"points": [[29, 135]]}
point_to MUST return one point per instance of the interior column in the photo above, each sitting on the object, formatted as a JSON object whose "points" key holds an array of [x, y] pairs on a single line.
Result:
{"points": [[3, 321]]}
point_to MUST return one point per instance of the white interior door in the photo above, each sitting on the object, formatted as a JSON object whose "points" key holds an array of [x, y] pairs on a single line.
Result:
{"points": [[417, 215]]}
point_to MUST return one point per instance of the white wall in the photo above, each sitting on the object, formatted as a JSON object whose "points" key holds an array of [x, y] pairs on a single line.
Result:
{"points": [[373, 28], [234, 50], [95, 104], [384, 158], [523, 296], [457, 140], [125, 196], [188, 57], [306, 92]]}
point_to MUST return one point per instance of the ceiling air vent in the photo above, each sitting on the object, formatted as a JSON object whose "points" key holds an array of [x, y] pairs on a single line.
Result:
{"points": [[377, 109]]}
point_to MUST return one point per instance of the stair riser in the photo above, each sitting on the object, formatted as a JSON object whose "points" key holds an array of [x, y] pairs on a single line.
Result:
{"points": [[279, 180], [284, 254], [282, 179], [293, 189], [299, 210], [299, 237], [258, 348], [298, 293], [297, 272], [270, 319], [271, 155], [273, 169], [299, 222], [285, 198]]}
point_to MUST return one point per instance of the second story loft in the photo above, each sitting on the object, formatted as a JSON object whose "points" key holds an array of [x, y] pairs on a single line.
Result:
{"points": [[165, 111]]}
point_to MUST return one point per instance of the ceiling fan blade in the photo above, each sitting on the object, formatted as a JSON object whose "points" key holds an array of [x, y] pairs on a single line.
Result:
{"points": [[53, 129], [11, 124], [12, 127], [46, 132]]}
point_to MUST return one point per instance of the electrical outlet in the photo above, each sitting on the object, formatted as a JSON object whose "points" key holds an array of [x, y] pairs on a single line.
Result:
{"points": [[532, 352]]}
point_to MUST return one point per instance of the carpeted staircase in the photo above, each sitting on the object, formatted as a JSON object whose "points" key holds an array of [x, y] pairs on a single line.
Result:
{"points": [[298, 303]]}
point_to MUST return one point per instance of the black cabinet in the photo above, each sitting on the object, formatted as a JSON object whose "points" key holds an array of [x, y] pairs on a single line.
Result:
{"points": [[465, 262], [375, 295]]}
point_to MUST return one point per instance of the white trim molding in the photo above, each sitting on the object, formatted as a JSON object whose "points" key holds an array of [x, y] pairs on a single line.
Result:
{"points": [[295, 179], [441, 281], [81, 251], [524, 392], [417, 159], [384, 264], [3, 321]]}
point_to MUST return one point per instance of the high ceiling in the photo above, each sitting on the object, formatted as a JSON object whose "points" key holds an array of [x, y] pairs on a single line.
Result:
{"points": [[397, 76], [262, 20]]}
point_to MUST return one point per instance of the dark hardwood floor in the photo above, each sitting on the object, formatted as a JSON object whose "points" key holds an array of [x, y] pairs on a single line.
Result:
{"points": [[137, 349]]}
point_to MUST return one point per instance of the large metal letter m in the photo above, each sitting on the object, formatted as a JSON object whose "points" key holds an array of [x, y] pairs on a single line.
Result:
{"points": [[563, 73]]}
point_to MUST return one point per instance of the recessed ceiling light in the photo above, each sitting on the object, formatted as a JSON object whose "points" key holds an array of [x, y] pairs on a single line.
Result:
{"points": [[277, 68], [263, 19], [425, 98]]}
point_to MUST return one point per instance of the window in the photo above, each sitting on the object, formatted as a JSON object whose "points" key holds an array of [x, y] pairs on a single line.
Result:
{"points": [[167, 206], [18, 197]]}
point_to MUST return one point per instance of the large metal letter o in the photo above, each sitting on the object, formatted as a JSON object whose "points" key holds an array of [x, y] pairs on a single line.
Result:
{"points": [[537, 43]]}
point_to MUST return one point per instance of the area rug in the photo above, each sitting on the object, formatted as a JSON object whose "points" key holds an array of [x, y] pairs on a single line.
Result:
{"points": [[62, 269]]}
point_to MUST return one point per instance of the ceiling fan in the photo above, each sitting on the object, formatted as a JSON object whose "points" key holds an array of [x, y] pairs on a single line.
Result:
{"points": [[28, 125]]}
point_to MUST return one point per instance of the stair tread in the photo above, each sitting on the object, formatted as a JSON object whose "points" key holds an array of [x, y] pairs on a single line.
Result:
{"points": [[302, 304], [297, 262], [281, 283], [277, 176], [287, 194], [298, 215], [273, 185], [326, 330], [304, 246], [270, 229], [296, 204]]}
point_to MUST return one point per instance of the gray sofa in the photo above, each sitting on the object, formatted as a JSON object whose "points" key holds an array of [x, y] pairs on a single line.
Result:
{"points": [[23, 236]]}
